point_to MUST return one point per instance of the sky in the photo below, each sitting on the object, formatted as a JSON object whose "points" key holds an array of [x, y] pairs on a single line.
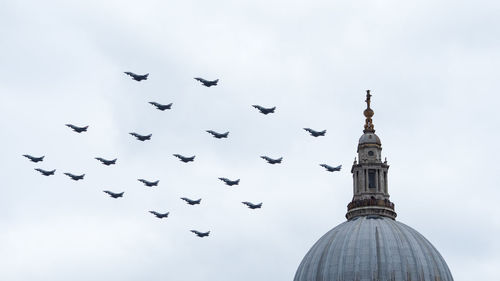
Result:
{"points": [[432, 67]]}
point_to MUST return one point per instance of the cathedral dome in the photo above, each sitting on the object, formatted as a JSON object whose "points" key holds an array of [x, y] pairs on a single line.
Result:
{"points": [[373, 248], [371, 245]]}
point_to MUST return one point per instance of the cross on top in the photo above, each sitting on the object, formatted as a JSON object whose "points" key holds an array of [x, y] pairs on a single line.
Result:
{"points": [[368, 96]]}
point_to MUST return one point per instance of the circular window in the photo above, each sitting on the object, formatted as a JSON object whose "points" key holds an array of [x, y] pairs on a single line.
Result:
{"points": [[370, 153]]}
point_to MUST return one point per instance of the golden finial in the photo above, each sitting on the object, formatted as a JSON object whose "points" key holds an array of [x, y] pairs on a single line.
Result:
{"points": [[368, 114]]}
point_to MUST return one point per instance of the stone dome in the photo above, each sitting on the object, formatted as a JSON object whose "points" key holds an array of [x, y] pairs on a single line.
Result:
{"points": [[373, 248], [369, 138]]}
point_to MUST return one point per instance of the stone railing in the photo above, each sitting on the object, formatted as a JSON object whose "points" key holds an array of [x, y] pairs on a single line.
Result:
{"points": [[371, 206], [370, 202]]}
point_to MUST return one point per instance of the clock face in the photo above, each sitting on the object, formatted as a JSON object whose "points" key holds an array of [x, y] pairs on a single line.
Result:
{"points": [[370, 153]]}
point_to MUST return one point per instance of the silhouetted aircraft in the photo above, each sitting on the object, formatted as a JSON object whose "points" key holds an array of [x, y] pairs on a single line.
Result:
{"points": [[200, 234], [264, 110], [114, 195], [159, 215], [252, 206], [34, 159], [46, 173], [207, 83], [230, 182], [106, 162], [191, 202], [75, 177], [271, 160], [218, 135], [141, 137], [184, 158], [77, 129], [137, 77], [330, 168], [161, 107], [149, 183], [315, 133]]}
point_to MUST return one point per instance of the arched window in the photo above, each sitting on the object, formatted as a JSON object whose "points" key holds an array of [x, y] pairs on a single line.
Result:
{"points": [[371, 178]]}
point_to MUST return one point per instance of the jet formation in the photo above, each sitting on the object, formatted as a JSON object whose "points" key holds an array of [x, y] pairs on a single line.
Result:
{"points": [[185, 159]]}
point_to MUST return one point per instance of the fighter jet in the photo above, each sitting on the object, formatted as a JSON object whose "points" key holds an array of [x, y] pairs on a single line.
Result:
{"points": [[141, 137], [77, 129], [75, 177], [252, 206], [137, 77], [200, 234], [114, 195], [218, 135], [330, 168], [34, 159], [161, 107], [272, 161], [264, 110], [149, 183], [184, 158], [315, 133], [159, 215], [191, 202], [106, 162], [207, 83], [46, 173], [230, 182]]}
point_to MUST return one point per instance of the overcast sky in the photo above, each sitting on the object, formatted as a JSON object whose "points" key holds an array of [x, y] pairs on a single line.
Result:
{"points": [[432, 67]]}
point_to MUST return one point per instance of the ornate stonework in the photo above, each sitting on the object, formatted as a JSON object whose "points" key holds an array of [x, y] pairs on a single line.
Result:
{"points": [[370, 188]]}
